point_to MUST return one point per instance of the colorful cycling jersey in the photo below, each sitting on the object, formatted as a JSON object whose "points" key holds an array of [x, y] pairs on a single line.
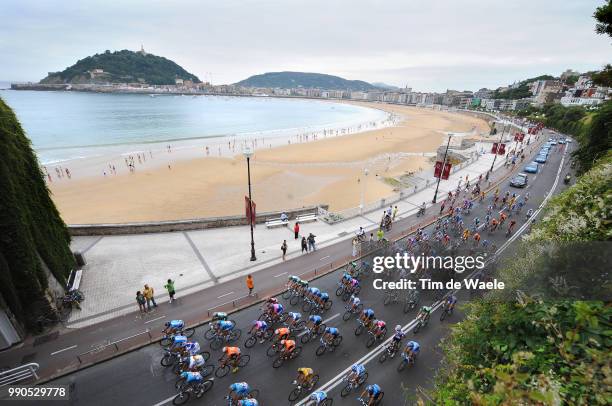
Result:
{"points": [[177, 324], [294, 278], [452, 299], [413, 345], [318, 396], [192, 347], [315, 319], [295, 316], [346, 276], [283, 331], [333, 331], [354, 283], [426, 309], [306, 371], [231, 351], [277, 308], [324, 296], [355, 300], [196, 361], [289, 344], [241, 388], [380, 324], [314, 291], [359, 369], [373, 390], [219, 316], [399, 335], [225, 325], [248, 402], [369, 313], [179, 341], [260, 325], [192, 376]]}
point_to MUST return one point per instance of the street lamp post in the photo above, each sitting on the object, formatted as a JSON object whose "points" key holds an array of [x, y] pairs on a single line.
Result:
{"points": [[441, 169], [500, 141], [363, 186], [248, 153]]}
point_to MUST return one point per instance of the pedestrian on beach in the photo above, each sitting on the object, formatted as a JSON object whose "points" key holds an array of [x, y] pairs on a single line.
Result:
{"points": [[284, 248], [149, 295], [249, 284], [140, 299], [296, 230], [311, 242], [304, 245], [170, 287]]}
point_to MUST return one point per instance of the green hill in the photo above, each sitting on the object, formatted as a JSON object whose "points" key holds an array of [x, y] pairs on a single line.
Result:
{"points": [[288, 80], [122, 67]]}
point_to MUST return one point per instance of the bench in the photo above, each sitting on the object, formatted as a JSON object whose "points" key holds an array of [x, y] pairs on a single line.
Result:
{"points": [[276, 222], [306, 218], [74, 280]]}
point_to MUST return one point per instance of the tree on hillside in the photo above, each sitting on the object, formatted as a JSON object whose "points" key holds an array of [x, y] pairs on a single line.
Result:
{"points": [[603, 77], [603, 15]]}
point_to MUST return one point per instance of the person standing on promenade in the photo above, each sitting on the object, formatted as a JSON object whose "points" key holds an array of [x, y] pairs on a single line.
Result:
{"points": [[149, 295], [355, 245], [284, 248], [250, 284], [296, 230], [311, 242], [140, 299], [394, 212], [380, 234], [304, 245], [170, 287]]}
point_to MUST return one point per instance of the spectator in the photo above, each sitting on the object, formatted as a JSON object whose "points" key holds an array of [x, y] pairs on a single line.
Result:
{"points": [[284, 217], [296, 230], [284, 248], [249, 283], [149, 295], [371, 237], [140, 299], [355, 245], [394, 212], [170, 287], [380, 234], [311, 242], [304, 245]]}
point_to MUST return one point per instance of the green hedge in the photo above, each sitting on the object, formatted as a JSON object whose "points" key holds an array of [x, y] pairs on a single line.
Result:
{"points": [[31, 228]]}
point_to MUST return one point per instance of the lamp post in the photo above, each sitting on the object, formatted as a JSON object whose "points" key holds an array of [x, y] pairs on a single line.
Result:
{"points": [[363, 186], [500, 141], [248, 153], [442, 169]]}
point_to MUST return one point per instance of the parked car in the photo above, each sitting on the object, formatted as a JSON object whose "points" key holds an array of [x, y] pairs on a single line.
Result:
{"points": [[532, 167], [519, 180], [541, 159]]}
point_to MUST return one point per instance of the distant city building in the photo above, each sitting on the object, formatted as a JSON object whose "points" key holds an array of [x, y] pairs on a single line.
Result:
{"points": [[546, 91], [585, 93]]}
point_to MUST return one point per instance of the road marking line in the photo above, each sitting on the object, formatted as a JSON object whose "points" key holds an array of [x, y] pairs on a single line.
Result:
{"points": [[227, 294], [280, 274], [321, 259], [65, 349], [155, 319]]}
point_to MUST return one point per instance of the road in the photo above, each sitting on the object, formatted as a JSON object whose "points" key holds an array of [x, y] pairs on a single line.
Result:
{"points": [[138, 378]]}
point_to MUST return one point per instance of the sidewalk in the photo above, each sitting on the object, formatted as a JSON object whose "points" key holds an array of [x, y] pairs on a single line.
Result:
{"points": [[118, 266]]}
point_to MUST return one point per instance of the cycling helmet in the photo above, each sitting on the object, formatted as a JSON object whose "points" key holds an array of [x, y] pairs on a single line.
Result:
{"points": [[167, 324], [224, 349], [398, 328], [283, 342]]}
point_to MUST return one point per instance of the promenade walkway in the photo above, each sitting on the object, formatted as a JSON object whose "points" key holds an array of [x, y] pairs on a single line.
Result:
{"points": [[118, 266]]}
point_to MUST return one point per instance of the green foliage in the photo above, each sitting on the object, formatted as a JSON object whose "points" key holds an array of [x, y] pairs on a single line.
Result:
{"points": [[522, 91], [541, 348], [288, 80], [603, 77], [603, 16], [596, 140], [31, 229], [124, 66]]}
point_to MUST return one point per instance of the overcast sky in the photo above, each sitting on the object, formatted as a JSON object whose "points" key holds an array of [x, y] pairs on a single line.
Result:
{"points": [[429, 45]]}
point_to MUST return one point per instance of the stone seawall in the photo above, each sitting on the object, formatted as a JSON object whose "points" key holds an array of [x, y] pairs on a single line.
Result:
{"points": [[182, 225]]}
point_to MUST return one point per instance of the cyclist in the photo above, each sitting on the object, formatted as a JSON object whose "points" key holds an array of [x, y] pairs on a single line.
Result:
{"points": [[314, 321], [230, 355], [502, 218], [424, 313], [367, 315], [378, 328], [397, 337], [293, 318], [476, 239], [281, 334], [258, 329], [450, 302], [528, 214], [354, 301], [511, 226], [302, 285], [219, 316], [318, 397], [196, 362], [239, 391], [224, 327], [288, 347], [331, 333], [178, 342], [356, 374], [173, 327], [411, 350], [494, 224], [373, 391], [304, 377], [323, 298], [275, 311], [191, 348], [313, 292], [354, 284], [248, 402]]}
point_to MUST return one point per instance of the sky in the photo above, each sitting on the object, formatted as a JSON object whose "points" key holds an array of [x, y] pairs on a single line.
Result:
{"points": [[429, 45]]}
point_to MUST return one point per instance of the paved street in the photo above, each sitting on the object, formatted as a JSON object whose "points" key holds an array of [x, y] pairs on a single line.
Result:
{"points": [[138, 378]]}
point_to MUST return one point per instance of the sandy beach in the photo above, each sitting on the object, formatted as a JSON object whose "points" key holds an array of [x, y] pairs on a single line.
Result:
{"points": [[325, 171]]}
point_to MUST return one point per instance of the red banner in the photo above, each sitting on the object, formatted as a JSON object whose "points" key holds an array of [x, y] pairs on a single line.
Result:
{"points": [[438, 169], [494, 148], [519, 137], [501, 150], [446, 171], [251, 214]]}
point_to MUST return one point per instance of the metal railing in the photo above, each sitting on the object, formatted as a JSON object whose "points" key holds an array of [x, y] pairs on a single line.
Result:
{"points": [[19, 374]]}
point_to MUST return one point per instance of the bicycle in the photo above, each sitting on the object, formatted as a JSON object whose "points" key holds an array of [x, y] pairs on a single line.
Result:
{"points": [[258, 335], [325, 346], [253, 394], [278, 362], [422, 321], [312, 332], [219, 339], [362, 326], [350, 311], [390, 351], [169, 358], [299, 389], [166, 339], [276, 347], [366, 402], [406, 361], [212, 331], [391, 297], [198, 389], [374, 338], [446, 311], [183, 362], [411, 301], [224, 367], [352, 384]]}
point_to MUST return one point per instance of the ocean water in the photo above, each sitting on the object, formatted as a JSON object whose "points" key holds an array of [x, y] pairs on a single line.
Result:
{"points": [[72, 125]]}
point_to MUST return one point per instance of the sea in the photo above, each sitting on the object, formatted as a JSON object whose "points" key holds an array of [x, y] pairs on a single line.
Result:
{"points": [[65, 126]]}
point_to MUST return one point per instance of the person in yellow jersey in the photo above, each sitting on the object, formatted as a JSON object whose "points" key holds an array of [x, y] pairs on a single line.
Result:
{"points": [[304, 377]]}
